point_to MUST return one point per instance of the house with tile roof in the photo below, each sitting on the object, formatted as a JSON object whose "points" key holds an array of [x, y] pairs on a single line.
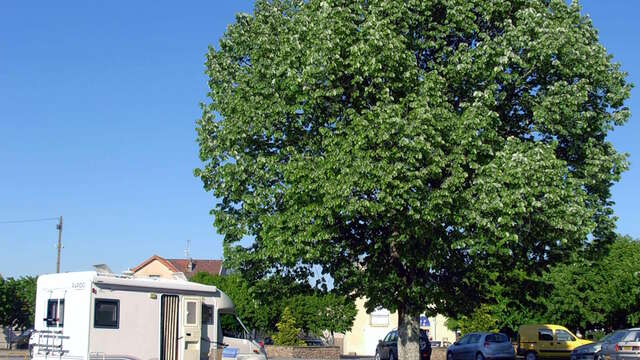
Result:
{"points": [[157, 266]]}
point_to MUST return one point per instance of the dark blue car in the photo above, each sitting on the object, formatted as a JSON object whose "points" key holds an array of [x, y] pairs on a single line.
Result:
{"points": [[387, 348]]}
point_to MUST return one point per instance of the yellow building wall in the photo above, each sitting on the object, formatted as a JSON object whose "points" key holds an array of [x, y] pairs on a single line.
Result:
{"points": [[364, 336], [154, 268]]}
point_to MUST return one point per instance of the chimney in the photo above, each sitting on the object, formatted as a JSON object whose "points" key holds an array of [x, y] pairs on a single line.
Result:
{"points": [[190, 265]]}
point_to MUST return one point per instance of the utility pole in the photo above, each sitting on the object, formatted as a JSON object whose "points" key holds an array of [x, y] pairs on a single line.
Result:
{"points": [[59, 227]]}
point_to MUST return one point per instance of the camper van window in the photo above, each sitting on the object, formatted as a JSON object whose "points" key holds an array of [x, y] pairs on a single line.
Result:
{"points": [[55, 312], [207, 314], [107, 314], [191, 313]]}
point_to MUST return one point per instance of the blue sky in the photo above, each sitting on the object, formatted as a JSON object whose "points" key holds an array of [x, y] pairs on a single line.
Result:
{"points": [[97, 107]]}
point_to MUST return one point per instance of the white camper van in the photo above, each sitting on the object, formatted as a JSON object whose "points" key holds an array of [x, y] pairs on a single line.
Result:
{"points": [[103, 316]]}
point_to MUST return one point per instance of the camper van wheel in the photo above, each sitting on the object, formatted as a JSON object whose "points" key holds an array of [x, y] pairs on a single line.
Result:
{"points": [[531, 356], [479, 356]]}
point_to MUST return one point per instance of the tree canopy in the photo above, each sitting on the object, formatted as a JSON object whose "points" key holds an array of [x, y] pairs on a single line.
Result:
{"points": [[17, 302], [427, 155], [584, 294], [599, 294]]}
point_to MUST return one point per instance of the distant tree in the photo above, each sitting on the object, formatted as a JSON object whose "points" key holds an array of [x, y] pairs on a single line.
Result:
{"points": [[247, 306], [585, 294], [482, 319], [594, 294], [288, 333], [427, 155], [17, 302], [321, 312], [337, 313]]}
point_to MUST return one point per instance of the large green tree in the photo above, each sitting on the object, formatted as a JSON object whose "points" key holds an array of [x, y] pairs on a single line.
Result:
{"points": [[425, 154]]}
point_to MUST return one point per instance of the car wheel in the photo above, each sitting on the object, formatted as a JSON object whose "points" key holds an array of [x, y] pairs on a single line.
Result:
{"points": [[531, 356], [479, 356], [449, 356], [391, 356], [377, 355]]}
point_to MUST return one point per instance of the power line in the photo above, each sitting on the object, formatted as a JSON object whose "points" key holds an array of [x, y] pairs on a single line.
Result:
{"points": [[27, 220]]}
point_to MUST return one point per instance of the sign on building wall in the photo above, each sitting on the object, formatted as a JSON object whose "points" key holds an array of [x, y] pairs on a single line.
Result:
{"points": [[424, 321], [380, 317]]}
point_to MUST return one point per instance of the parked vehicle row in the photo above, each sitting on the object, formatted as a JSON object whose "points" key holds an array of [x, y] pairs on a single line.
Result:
{"points": [[557, 342], [619, 345], [534, 342]]}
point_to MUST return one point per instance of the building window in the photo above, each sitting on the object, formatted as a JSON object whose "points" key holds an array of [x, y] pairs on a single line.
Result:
{"points": [[55, 313], [107, 314], [207, 314], [379, 317]]}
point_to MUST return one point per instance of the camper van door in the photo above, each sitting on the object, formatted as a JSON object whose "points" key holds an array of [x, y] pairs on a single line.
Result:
{"points": [[192, 327]]}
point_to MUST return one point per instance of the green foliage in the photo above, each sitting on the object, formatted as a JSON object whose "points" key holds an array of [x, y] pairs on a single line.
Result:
{"points": [[583, 295], [288, 333], [443, 152], [17, 302], [598, 294], [319, 312], [482, 319], [252, 312]]}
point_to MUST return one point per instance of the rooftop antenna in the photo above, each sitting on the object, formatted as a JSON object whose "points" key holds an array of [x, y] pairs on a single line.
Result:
{"points": [[186, 251], [190, 264]]}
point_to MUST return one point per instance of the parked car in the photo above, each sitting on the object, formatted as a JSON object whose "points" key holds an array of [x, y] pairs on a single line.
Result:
{"points": [[387, 348], [314, 341], [482, 346], [629, 347], [436, 343], [547, 341], [601, 349], [22, 341]]}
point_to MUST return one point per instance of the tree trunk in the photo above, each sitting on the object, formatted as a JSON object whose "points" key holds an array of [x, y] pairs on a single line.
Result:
{"points": [[408, 335]]}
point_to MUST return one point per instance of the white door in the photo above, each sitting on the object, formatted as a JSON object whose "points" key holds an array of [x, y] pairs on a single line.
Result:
{"points": [[191, 329]]}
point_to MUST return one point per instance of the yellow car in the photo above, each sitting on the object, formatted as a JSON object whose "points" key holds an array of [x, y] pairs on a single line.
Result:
{"points": [[547, 342]]}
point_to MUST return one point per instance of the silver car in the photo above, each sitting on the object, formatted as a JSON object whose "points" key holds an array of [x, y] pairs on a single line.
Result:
{"points": [[629, 347], [601, 349], [482, 346]]}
